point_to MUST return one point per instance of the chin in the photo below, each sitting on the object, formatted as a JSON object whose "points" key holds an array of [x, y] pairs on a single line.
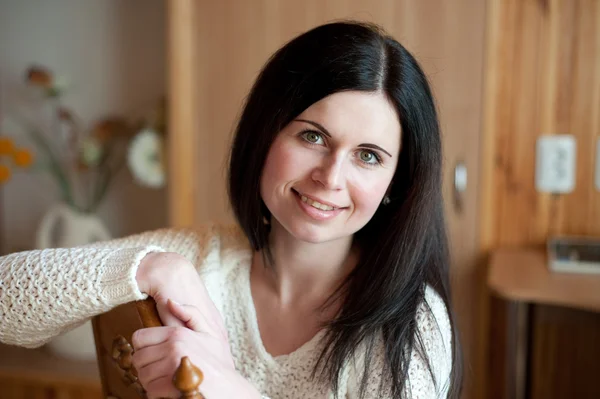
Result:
{"points": [[306, 232]]}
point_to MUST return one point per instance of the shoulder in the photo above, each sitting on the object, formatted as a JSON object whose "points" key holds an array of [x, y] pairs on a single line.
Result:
{"points": [[433, 348], [202, 244], [221, 247], [194, 243], [231, 237], [226, 254], [433, 321]]}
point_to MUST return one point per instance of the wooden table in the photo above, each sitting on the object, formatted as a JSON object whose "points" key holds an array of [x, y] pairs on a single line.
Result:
{"points": [[522, 275], [520, 280], [36, 373]]}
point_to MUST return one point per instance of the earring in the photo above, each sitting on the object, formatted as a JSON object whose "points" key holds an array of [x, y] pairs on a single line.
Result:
{"points": [[386, 200]]}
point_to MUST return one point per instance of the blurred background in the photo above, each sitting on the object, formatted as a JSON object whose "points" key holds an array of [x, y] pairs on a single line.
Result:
{"points": [[116, 116]]}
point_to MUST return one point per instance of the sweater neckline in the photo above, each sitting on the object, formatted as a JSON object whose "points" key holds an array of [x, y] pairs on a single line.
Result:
{"points": [[279, 360]]}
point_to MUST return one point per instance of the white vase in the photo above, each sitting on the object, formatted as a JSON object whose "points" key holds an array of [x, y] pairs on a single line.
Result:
{"points": [[64, 227]]}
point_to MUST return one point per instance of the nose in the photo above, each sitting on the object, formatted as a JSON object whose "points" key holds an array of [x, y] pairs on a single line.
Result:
{"points": [[331, 173]]}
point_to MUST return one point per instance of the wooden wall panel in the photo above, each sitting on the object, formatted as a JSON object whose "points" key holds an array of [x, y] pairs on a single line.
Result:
{"points": [[544, 78], [232, 41], [185, 109]]}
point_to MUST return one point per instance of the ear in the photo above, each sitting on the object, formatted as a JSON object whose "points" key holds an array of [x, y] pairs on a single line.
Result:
{"points": [[266, 214], [386, 197]]}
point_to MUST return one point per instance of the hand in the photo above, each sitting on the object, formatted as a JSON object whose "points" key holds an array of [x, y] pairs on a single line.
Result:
{"points": [[168, 275], [158, 352]]}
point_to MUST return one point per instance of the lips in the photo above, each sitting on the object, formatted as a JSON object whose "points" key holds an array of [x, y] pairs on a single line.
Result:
{"points": [[317, 211], [317, 202]]}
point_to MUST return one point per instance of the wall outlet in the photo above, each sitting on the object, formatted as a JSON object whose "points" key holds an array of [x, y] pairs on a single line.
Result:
{"points": [[555, 164]]}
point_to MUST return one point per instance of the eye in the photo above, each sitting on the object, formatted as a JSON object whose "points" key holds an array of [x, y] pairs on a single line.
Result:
{"points": [[312, 137], [369, 157]]}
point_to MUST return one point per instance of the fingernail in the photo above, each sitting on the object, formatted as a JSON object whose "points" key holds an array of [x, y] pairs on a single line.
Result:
{"points": [[175, 302]]}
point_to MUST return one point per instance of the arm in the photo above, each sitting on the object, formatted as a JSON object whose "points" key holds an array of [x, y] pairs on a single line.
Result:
{"points": [[46, 292]]}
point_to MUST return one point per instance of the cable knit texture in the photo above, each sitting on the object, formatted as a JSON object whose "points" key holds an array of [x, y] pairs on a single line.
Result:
{"points": [[44, 293]]}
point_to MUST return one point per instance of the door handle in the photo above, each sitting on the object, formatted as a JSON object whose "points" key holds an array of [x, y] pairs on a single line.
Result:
{"points": [[460, 186]]}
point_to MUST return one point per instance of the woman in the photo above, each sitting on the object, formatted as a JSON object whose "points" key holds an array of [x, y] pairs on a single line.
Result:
{"points": [[336, 285]]}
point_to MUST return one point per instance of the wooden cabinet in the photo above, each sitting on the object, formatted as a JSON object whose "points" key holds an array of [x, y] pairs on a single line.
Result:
{"points": [[545, 329]]}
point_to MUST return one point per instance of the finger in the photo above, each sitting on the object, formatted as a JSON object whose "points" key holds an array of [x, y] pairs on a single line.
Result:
{"points": [[156, 377], [162, 388], [166, 317], [190, 315], [151, 336], [195, 319], [149, 354]]}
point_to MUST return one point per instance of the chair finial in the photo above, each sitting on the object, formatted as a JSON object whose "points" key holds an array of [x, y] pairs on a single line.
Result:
{"points": [[187, 379]]}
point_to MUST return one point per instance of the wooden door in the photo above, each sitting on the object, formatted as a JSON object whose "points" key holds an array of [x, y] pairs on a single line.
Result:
{"points": [[218, 47]]}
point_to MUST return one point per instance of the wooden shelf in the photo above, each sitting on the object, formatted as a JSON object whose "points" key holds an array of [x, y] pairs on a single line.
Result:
{"points": [[523, 275], [41, 366]]}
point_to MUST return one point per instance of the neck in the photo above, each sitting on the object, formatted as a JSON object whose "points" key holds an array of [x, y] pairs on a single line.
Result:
{"points": [[304, 272]]}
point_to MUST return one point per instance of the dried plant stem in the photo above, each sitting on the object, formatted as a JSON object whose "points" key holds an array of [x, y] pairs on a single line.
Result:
{"points": [[55, 168]]}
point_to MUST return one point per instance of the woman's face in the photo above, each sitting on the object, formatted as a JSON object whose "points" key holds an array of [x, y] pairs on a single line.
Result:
{"points": [[327, 171]]}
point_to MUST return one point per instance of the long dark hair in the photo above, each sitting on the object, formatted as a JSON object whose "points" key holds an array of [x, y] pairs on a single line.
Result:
{"points": [[404, 246]]}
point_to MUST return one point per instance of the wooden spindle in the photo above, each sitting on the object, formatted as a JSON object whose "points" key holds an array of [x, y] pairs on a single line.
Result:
{"points": [[187, 379]]}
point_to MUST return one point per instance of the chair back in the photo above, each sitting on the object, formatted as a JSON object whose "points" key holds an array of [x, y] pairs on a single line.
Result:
{"points": [[112, 332]]}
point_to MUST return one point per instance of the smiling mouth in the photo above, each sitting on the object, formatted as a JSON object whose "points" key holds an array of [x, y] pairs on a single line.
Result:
{"points": [[316, 204]]}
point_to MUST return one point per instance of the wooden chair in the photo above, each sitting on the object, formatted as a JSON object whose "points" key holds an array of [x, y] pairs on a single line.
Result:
{"points": [[112, 332]]}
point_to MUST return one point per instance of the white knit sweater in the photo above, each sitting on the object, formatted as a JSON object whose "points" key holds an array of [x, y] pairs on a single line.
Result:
{"points": [[44, 293]]}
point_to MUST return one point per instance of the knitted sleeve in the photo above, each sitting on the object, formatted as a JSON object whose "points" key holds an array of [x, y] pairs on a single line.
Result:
{"points": [[436, 334], [44, 293]]}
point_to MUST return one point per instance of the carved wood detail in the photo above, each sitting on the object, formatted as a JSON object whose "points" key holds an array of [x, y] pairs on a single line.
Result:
{"points": [[187, 379]]}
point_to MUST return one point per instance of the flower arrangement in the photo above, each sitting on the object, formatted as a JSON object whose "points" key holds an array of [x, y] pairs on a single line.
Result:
{"points": [[146, 158], [84, 162], [11, 155]]}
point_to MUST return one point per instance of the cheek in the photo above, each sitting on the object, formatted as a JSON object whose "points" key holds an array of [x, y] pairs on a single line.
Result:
{"points": [[284, 164], [367, 193]]}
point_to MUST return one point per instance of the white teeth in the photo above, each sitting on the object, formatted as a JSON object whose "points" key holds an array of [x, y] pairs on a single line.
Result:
{"points": [[316, 204]]}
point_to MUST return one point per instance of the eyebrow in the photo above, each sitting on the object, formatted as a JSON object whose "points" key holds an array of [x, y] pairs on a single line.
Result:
{"points": [[326, 133]]}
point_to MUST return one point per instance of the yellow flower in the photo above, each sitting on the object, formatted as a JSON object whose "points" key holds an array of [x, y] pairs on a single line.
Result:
{"points": [[4, 173], [6, 146], [23, 157]]}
